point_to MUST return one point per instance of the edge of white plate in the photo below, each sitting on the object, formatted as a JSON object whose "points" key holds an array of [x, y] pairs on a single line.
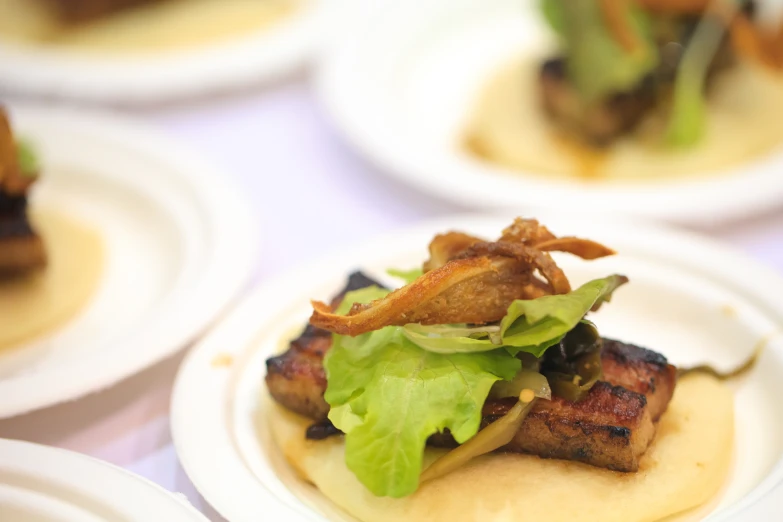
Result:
{"points": [[62, 466], [472, 184], [211, 417], [222, 281], [264, 56]]}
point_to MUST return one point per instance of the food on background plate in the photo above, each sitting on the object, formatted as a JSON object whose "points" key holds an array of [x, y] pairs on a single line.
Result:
{"points": [[81, 11], [21, 248], [135, 26], [50, 264], [638, 88], [481, 390]]}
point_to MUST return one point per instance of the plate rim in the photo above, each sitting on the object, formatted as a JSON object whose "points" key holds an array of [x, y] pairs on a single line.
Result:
{"points": [[707, 200], [220, 281], [73, 459], [261, 56], [182, 414]]}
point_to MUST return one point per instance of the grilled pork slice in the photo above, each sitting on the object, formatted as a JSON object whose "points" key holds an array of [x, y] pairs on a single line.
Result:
{"points": [[21, 249], [598, 124], [296, 379], [611, 428]]}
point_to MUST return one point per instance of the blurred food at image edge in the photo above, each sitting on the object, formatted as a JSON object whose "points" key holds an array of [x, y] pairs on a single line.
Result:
{"points": [[637, 89]]}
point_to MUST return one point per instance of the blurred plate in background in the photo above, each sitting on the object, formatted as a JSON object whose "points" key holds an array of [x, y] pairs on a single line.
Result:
{"points": [[403, 80], [139, 56], [178, 245], [43, 484]]}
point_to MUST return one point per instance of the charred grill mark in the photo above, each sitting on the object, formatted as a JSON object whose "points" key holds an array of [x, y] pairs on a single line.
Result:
{"points": [[618, 432], [640, 370], [625, 353], [581, 454], [322, 430]]}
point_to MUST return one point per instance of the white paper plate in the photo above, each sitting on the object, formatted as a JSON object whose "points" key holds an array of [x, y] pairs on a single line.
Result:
{"points": [[263, 56], [676, 304], [43, 484], [179, 241], [400, 81]]}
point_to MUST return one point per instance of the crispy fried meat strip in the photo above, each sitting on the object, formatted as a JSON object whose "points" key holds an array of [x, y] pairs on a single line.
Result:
{"points": [[529, 256], [527, 231], [445, 247], [577, 246], [462, 291], [468, 280]]}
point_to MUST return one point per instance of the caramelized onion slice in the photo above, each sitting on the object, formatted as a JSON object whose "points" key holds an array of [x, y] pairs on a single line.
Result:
{"points": [[494, 436], [524, 380]]}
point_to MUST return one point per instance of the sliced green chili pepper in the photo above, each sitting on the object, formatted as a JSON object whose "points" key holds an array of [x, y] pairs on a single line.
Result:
{"points": [[574, 366]]}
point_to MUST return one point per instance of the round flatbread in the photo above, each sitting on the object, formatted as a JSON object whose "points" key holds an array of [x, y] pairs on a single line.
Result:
{"points": [[684, 468]]}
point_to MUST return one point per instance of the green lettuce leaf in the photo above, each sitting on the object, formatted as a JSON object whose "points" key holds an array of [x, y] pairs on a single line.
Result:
{"points": [[408, 276], [533, 326], [389, 395], [529, 326], [597, 64], [28, 160], [434, 339], [454, 338]]}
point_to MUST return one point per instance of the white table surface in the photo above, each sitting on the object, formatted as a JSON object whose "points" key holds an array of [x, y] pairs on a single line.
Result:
{"points": [[276, 144]]}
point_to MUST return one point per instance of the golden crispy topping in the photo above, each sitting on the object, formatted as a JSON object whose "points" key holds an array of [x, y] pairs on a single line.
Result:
{"points": [[468, 280]]}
